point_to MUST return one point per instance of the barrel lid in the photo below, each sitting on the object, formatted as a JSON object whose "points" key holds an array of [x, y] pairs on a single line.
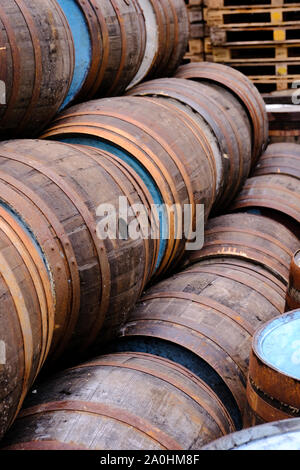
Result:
{"points": [[280, 435], [278, 344]]}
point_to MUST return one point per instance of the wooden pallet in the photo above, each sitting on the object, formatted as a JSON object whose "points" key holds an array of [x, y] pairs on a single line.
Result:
{"points": [[198, 30], [272, 76], [269, 84], [193, 3], [272, 69], [195, 46], [275, 83], [266, 53], [255, 36], [252, 17], [285, 136], [195, 15], [284, 122], [226, 4], [281, 97], [208, 46], [190, 58]]}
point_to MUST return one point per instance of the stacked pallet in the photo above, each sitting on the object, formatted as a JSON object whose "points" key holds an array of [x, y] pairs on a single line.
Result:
{"points": [[199, 32], [261, 40]]}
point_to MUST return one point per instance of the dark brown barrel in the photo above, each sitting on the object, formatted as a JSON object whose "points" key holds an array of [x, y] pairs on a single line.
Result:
{"points": [[173, 28], [250, 237], [118, 39], [209, 312], [283, 158], [37, 62], [58, 189], [281, 435], [273, 388], [123, 401], [27, 313], [240, 86], [227, 120], [274, 189], [279, 193], [167, 27], [141, 130], [293, 293]]}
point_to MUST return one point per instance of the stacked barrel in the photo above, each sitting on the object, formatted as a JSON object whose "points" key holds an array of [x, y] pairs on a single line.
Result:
{"points": [[74, 287], [175, 376], [202, 320], [273, 387], [54, 52], [273, 188]]}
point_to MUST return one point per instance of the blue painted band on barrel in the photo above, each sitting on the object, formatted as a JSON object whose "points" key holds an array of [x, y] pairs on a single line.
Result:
{"points": [[143, 174], [82, 45], [278, 344], [253, 211], [29, 232]]}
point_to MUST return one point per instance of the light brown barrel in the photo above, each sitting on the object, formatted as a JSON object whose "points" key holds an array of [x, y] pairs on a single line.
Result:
{"points": [[240, 86], [118, 38], [280, 435], [141, 130], [293, 292], [228, 122], [271, 192], [27, 313], [37, 63], [273, 388], [251, 237], [123, 401], [283, 158], [209, 314], [58, 189]]}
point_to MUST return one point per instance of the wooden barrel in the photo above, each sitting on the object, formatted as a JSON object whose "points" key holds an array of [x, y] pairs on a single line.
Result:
{"points": [[58, 189], [140, 130], [240, 86], [293, 293], [36, 64], [251, 237], [27, 313], [283, 158], [228, 122], [109, 39], [281, 435], [210, 312], [273, 388], [173, 27], [123, 401], [276, 192], [167, 27], [274, 189]]}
